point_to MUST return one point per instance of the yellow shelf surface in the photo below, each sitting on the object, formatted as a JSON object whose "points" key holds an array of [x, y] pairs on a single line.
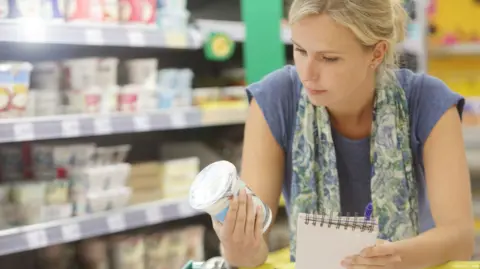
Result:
{"points": [[281, 260], [282, 201]]}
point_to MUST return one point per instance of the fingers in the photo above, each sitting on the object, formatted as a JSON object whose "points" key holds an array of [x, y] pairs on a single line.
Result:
{"points": [[239, 231], [250, 223], [384, 248], [231, 217], [357, 260], [217, 225], [259, 222]]}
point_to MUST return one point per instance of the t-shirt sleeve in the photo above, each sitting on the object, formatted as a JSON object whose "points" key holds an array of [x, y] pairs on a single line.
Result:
{"points": [[432, 98], [275, 95]]}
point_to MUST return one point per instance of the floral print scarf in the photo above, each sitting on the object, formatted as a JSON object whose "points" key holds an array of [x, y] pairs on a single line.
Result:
{"points": [[315, 183]]}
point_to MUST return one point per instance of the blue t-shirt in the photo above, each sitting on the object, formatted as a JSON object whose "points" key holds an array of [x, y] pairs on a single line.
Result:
{"points": [[428, 99]]}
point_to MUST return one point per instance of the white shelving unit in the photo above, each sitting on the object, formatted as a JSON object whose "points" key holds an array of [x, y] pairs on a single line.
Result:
{"points": [[41, 235]]}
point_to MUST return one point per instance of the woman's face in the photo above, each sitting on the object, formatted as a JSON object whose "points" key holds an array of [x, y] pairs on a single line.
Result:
{"points": [[332, 64]]}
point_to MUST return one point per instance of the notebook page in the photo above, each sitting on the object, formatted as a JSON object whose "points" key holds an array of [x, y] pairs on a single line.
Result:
{"points": [[325, 248]]}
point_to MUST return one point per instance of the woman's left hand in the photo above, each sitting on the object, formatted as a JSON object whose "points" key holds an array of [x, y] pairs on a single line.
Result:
{"points": [[382, 255]]}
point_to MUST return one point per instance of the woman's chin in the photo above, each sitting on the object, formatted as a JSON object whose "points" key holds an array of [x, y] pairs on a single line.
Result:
{"points": [[318, 101]]}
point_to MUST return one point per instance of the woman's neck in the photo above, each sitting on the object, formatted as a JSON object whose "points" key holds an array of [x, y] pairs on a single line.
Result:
{"points": [[353, 117]]}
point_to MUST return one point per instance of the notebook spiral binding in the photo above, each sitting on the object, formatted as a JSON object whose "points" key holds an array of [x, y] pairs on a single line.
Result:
{"points": [[354, 222]]}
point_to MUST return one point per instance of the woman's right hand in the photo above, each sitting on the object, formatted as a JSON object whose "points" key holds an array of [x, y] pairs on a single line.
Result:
{"points": [[241, 234]]}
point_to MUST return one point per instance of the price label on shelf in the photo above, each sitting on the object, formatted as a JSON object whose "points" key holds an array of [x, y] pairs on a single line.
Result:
{"points": [[116, 223], [176, 39], [71, 232], [70, 128], [23, 131], [153, 215], [34, 33], [197, 39], [94, 37], [36, 239], [102, 126], [136, 39], [178, 120], [141, 123]]}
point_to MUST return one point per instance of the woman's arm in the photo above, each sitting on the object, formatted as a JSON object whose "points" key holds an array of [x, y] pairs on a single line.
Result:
{"points": [[448, 189], [263, 171]]}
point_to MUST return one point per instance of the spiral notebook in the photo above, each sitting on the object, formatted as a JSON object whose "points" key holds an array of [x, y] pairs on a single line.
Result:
{"points": [[323, 241]]}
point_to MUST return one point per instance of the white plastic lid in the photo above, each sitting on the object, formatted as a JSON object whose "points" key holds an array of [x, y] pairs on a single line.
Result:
{"points": [[211, 184]]}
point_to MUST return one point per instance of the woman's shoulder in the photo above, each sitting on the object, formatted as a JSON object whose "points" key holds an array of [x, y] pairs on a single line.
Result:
{"points": [[282, 82], [428, 99], [276, 95]]}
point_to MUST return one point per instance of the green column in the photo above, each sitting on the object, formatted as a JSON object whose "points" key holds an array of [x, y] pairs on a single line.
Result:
{"points": [[263, 50]]}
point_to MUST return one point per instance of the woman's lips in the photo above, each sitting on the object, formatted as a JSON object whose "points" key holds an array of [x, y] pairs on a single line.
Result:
{"points": [[316, 92]]}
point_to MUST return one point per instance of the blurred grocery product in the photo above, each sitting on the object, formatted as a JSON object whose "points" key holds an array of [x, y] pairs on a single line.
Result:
{"points": [[48, 181], [59, 256], [93, 253], [14, 88], [454, 22], [461, 74]]}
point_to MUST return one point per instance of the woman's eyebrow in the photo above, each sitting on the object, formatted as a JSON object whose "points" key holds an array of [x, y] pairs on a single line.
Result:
{"points": [[320, 51]]}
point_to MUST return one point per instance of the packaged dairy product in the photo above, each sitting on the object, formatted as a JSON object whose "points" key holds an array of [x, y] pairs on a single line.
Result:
{"points": [[214, 185]]}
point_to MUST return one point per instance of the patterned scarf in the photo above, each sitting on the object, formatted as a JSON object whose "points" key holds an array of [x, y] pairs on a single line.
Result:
{"points": [[315, 184]]}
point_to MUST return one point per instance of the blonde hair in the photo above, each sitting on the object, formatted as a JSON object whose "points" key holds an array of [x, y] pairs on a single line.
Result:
{"points": [[370, 20]]}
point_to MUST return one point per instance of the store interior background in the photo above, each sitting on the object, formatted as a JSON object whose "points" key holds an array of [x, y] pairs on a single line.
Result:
{"points": [[134, 107]]}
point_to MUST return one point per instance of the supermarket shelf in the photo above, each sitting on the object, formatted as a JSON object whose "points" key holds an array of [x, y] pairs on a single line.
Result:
{"points": [[70, 126], [234, 29], [68, 230], [456, 50], [96, 35]]}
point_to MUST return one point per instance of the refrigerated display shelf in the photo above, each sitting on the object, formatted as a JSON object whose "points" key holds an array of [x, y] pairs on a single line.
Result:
{"points": [[41, 235], [70, 126], [97, 35], [236, 31], [456, 50]]}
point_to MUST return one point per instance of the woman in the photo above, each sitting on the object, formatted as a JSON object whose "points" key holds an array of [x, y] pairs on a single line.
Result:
{"points": [[366, 132]]}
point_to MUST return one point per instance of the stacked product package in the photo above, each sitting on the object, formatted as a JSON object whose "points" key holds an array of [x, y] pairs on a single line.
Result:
{"points": [[165, 249], [164, 13], [47, 181], [172, 177], [43, 182], [106, 85], [14, 88], [169, 179], [173, 15]]}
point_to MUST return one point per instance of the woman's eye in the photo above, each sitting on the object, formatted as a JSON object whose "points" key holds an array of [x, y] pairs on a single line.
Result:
{"points": [[328, 59], [302, 52]]}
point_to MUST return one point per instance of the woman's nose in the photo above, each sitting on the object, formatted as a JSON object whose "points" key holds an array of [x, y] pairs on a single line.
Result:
{"points": [[311, 70]]}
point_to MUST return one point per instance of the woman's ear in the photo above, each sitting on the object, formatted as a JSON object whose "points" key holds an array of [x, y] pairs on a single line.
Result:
{"points": [[379, 52]]}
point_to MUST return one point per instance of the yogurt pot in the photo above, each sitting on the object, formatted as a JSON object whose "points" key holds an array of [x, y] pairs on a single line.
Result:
{"points": [[212, 187]]}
